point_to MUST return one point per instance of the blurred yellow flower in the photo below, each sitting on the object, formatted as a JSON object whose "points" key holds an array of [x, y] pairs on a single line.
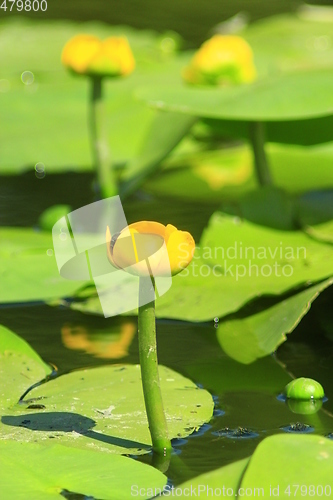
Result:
{"points": [[221, 60], [164, 247], [88, 55]]}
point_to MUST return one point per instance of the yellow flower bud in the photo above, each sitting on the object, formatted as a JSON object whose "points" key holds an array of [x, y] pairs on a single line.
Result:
{"points": [[164, 248], [222, 60], [88, 55]]}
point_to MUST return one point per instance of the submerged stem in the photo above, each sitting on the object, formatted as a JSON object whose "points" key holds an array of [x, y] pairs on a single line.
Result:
{"points": [[149, 368], [98, 135], [257, 137]]}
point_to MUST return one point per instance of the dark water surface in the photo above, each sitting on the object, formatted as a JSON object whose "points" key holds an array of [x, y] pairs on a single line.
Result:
{"points": [[192, 19], [246, 405]]}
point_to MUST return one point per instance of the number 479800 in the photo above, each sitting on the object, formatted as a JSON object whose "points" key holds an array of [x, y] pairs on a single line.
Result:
{"points": [[26, 5]]}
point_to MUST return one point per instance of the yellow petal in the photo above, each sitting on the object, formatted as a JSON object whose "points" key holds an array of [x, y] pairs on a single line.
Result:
{"points": [[148, 227], [79, 51], [180, 248], [222, 60]]}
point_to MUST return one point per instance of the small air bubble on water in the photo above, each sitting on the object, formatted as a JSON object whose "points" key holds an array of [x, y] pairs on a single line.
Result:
{"points": [[27, 78], [40, 170], [40, 167]]}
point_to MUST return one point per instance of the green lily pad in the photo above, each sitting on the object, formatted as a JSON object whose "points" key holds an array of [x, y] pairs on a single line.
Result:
{"points": [[282, 466], [246, 339], [235, 262], [290, 96], [29, 470], [226, 174], [223, 482], [322, 232], [288, 462], [28, 269], [286, 42], [20, 368], [54, 107], [103, 409], [293, 57], [210, 286]]}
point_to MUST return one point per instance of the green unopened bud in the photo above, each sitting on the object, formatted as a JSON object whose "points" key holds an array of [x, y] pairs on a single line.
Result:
{"points": [[304, 389]]}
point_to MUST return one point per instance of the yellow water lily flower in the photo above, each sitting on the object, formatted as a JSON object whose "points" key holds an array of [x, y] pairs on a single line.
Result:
{"points": [[221, 60], [150, 248], [88, 55]]}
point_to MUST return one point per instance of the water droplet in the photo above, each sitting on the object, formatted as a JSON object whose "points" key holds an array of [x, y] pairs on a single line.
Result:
{"points": [[4, 86], [63, 236], [27, 78], [39, 167], [216, 320], [49, 252], [40, 170]]}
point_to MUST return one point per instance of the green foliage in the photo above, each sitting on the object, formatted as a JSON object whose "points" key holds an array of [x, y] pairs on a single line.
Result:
{"points": [[269, 473], [44, 472], [103, 409], [20, 368], [52, 111], [260, 333], [28, 268], [218, 175], [292, 94]]}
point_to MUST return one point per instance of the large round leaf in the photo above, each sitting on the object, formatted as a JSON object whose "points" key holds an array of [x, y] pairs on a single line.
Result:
{"points": [[235, 262], [291, 463], [20, 368], [299, 95], [28, 269], [46, 120], [29, 470], [103, 408], [282, 466], [226, 174], [218, 483], [293, 56], [251, 337]]}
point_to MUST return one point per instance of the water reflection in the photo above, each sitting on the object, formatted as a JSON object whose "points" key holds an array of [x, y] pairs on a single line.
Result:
{"points": [[111, 344]]}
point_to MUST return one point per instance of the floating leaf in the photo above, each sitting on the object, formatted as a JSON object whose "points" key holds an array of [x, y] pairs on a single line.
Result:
{"points": [[281, 466], [286, 460], [103, 409], [235, 262], [28, 270], [322, 232], [249, 338], [20, 368], [226, 174], [222, 482], [54, 105], [290, 96], [30, 470], [293, 57]]}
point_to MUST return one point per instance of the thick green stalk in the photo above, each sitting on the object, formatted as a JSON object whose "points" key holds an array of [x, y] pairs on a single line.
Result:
{"points": [[257, 137], [149, 368], [98, 134]]}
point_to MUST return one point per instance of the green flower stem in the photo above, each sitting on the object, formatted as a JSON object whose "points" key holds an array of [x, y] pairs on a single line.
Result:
{"points": [[257, 138], [101, 154], [149, 369]]}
